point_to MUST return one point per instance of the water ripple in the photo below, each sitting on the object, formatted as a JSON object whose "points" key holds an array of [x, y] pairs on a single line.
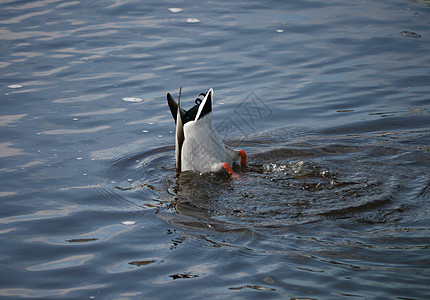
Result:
{"points": [[332, 204]]}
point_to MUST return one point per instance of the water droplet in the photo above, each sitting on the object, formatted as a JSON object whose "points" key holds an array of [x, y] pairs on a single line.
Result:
{"points": [[75, 119], [79, 158], [160, 135], [145, 131], [15, 86], [175, 9], [280, 30], [132, 99], [193, 20]]}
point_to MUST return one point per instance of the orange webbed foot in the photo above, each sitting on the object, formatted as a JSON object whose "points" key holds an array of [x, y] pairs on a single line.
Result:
{"points": [[242, 157], [230, 171]]}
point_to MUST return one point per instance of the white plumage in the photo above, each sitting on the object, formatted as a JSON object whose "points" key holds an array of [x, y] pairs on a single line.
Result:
{"points": [[198, 144]]}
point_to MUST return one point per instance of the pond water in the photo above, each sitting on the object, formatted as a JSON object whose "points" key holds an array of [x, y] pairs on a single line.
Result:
{"points": [[330, 100]]}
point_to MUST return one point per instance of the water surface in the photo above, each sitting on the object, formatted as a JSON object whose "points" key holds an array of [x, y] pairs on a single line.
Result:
{"points": [[329, 100]]}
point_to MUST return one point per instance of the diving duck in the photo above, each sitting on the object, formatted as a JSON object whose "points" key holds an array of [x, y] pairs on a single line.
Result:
{"points": [[198, 146]]}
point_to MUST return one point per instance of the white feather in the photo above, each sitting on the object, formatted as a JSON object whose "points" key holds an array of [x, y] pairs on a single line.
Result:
{"points": [[203, 150]]}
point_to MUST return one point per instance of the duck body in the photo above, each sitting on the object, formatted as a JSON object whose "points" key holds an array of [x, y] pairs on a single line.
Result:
{"points": [[203, 149], [198, 145]]}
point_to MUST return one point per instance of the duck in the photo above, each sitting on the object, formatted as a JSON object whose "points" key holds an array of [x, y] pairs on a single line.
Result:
{"points": [[198, 146]]}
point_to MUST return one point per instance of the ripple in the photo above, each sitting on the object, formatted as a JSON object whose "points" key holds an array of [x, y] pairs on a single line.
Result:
{"points": [[71, 261], [100, 235], [335, 204], [75, 131], [183, 276], [324, 185], [6, 150], [38, 215], [5, 194], [37, 293], [254, 287], [15, 86], [410, 34], [100, 112], [127, 266]]}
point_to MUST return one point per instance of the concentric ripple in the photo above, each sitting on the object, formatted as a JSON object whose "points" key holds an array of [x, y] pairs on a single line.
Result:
{"points": [[305, 181]]}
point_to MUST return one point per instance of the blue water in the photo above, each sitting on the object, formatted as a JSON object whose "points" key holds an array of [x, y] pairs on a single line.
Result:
{"points": [[330, 100]]}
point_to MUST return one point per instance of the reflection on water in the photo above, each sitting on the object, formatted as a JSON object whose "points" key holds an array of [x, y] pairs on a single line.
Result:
{"points": [[6, 149], [330, 100]]}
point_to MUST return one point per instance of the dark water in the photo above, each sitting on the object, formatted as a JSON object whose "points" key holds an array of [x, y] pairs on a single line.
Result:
{"points": [[330, 99]]}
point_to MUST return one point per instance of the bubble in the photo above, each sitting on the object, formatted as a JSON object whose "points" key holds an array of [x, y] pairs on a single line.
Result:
{"points": [[193, 20], [132, 99], [128, 223], [175, 9]]}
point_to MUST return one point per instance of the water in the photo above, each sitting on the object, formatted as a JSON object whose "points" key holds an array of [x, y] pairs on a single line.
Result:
{"points": [[330, 100]]}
